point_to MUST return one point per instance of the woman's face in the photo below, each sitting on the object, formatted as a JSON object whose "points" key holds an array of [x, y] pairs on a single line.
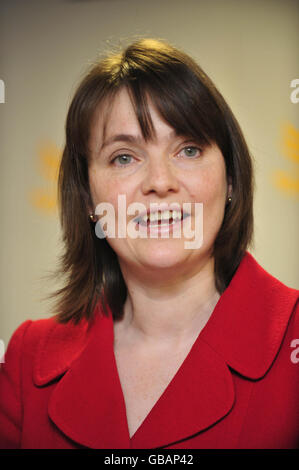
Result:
{"points": [[168, 169]]}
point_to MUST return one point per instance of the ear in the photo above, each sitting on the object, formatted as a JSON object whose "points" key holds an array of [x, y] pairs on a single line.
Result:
{"points": [[89, 204], [229, 186]]}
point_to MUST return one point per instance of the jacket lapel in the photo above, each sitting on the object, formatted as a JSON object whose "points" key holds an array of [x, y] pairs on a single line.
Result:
{"points": [[244, 333], [87, 404], [250, 319], [199, 395]]}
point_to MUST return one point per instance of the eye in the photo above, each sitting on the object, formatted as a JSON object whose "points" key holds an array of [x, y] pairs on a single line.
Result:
{"points": [[191, 151], [123, 159]]}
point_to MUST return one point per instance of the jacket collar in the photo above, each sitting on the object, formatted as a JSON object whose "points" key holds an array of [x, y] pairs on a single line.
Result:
{"points": [[249, 321], [88, 404], [244, 332]]}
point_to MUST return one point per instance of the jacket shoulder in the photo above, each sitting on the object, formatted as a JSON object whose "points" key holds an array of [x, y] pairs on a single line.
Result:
{"points": [[36, 348], [56, 346], [47, 346], [293, 325], [29, 328]]}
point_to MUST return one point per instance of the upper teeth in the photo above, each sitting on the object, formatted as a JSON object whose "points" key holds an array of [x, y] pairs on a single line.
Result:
{"points": [[153, 217]]}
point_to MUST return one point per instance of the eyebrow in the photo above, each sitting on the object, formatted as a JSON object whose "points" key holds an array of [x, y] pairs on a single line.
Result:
{"points": [[121, 138], [130, 138]]}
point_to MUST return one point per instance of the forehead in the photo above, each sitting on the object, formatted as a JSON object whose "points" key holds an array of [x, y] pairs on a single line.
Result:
{"points": [[119, 112], [117, 115]]}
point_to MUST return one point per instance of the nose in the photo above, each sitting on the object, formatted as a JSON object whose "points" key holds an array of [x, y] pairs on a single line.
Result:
{"points": [[159, 177]]}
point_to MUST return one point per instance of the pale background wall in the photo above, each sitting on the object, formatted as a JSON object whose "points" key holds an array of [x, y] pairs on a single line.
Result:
{"points": [[250, 50]]}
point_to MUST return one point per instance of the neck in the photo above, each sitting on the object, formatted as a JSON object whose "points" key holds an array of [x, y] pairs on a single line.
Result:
{"points": [[175, 311]]}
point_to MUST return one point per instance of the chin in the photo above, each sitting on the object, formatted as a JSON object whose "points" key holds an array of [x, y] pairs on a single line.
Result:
{"points": [[163, 254]]}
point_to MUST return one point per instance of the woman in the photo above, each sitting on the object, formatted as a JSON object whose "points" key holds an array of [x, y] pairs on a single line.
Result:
{"points": [[155, 343]]}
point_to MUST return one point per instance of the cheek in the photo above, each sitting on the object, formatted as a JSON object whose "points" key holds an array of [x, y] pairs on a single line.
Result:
{"points": [[105, 190], [214, 207], [209, 188], [100, 187]]}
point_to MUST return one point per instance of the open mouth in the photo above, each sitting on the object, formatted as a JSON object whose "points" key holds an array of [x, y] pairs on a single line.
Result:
{"points": [[161, 218]]}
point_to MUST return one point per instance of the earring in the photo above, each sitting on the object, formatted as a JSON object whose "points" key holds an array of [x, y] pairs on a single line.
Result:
{"points": [[92, 218], [229, 199]]}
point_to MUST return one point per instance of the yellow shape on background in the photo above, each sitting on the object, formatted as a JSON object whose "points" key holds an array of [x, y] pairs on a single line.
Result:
{"points": [[288, 182], [45, 198], [49, 160], [43, 201], [290, 142]]}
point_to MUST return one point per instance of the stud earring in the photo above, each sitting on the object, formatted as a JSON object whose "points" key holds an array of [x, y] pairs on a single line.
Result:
{"points": [[92, 218], [229, 199]]}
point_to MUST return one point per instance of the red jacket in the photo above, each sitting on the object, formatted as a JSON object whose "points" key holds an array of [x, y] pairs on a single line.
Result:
{"points": [[237, 388]]}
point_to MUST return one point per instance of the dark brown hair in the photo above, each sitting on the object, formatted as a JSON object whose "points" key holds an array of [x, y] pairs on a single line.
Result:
{"points": [[188, 100]]}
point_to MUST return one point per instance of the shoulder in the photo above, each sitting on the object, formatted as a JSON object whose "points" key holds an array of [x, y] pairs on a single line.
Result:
{"points": [[273, 306], [273, 309], [46, 347], [254, 320], [32, 329], [293, 328], [31, 333], [253, 283]]}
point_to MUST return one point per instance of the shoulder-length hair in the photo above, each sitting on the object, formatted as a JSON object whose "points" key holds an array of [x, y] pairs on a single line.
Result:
{"points": [[188, 100]]}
